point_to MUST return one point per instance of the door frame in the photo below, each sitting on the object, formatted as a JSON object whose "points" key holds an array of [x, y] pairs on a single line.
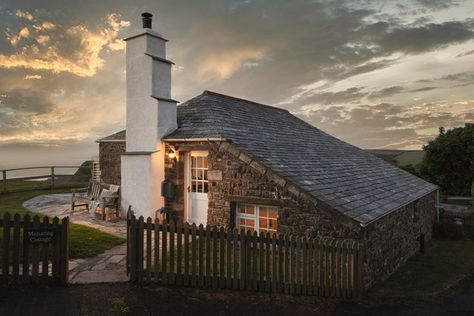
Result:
{"points": [[187, 180]]}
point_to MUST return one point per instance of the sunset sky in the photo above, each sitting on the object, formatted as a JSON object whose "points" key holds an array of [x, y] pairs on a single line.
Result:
{"points": [[378, 74]]}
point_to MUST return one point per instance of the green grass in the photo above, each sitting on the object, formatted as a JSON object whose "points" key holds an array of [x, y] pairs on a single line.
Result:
{"points": [[14, 185], [443, 263], [401, 157], [84, 241]]}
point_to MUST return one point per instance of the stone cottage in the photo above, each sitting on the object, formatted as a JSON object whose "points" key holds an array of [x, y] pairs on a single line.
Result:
{"points": [[225, 161]]}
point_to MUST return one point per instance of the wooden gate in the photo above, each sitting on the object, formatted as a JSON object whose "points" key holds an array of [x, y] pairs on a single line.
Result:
{"points": [[211, 257], [34, 251]]}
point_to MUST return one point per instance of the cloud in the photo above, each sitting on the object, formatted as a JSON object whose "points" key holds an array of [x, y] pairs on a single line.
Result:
{"points": [[460, 76], [15, 39], [437, 4], [415, 40], [386, 92], [386, 125], [33, 77], [76, 49], [24, 14], [26, 101]]}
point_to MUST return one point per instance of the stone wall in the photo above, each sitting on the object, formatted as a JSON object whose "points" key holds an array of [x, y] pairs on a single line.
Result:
{"points": [[109, 159], [388, 242], [241, 179], [393, 239], [174, 172]]}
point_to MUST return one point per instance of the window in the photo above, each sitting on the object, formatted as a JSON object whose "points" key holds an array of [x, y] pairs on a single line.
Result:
{"points": [[199, 181], [258, 218]]}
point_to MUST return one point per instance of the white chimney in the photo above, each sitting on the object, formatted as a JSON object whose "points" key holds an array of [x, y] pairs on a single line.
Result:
{"points": [[151, 114]]}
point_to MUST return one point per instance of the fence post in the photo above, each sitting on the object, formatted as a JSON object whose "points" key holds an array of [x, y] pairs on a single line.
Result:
{"points": [[52, 177], [4, 176], [360, 267], [64, 267], [132, 248]]}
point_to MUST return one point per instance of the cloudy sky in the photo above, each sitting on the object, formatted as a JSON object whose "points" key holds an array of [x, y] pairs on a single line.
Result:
{"points": [[378, 74]]}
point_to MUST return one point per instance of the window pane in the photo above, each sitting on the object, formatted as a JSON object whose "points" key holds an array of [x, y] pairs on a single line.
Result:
{"points": [[194, 186], [263, 211], [263, 224], [272, 224], [241, 209], [204, 165], [273, 213], [205, 175], [205, 187], [250, 209]]}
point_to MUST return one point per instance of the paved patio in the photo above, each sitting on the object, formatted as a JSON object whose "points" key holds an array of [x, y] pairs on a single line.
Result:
{"points": [[106, 267]]}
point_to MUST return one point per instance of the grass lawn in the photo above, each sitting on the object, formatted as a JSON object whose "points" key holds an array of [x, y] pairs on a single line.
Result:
{"points": [[443, 263], [84, 241]]}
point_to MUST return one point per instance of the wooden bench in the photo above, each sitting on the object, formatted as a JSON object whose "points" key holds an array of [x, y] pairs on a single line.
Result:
{"points": [[84, 197]]}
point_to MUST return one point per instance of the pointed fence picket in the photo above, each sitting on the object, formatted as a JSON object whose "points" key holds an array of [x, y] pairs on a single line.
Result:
{"points": [[211, 257], [33, 262]]}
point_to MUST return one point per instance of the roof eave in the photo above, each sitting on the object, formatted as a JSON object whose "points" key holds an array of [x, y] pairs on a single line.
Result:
{"points": [[365, 224]]}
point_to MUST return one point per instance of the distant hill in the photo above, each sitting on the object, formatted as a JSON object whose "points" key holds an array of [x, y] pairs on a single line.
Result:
{"points": [[399, 157]]}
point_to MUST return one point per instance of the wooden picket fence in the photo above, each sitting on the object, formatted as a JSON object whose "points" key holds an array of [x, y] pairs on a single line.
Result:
{"points": [[211, 257], [27, 260]]}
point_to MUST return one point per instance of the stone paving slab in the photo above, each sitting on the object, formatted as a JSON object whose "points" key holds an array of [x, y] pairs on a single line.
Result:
{"points": [[109, 266], [60, 205]]}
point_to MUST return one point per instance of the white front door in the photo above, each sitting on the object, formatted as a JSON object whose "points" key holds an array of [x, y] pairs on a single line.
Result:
{"points": [[197, 187]]}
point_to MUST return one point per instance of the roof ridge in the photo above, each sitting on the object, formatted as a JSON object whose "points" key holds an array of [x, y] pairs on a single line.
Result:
{"points": [[243, 100]]}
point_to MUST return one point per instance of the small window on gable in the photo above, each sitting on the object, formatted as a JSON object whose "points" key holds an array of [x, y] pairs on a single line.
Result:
{"points": [[260, 218]]}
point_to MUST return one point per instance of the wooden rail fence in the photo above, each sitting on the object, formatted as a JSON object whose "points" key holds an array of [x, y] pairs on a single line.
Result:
{"points": [[53, 178], [211, 257], [34, 251]]}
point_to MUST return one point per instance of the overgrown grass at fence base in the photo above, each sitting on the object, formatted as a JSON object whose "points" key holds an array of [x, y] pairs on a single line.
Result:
{"points": [[212, 257]]}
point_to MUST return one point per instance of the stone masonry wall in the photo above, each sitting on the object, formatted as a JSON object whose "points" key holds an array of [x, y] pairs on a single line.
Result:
{"points": [[174, 172], [393, 239], [109, 158], [388, 242], [246, 180]]}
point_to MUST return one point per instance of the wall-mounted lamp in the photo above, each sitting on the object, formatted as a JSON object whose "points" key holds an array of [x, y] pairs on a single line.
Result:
{"points": [[171, 155]]}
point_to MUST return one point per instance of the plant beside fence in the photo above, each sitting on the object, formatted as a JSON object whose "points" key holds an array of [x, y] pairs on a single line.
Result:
{"points": [[33, 251], [211, 257]]}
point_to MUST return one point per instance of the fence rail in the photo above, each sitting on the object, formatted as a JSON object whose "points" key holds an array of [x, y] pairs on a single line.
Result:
{"points": [[52, 178], [34, 251], [211, 257]]}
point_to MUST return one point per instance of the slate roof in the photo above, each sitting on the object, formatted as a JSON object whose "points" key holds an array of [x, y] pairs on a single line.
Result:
{"points": [[345, 177], [349, 179], [119, 136]]}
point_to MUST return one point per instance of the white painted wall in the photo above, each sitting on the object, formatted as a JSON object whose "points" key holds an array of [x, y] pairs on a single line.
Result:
{"points": [[141, 183], [148, 120]]}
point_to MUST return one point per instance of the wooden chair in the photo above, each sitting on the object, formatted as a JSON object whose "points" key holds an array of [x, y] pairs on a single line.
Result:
{"points": [[83, 196]]}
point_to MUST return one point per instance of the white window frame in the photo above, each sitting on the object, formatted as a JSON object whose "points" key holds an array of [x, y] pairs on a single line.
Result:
{"points": [[255, 217]]}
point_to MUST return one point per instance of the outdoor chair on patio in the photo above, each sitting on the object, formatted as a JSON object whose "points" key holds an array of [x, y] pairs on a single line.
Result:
{"points": [[108, 200], [84, 196]]}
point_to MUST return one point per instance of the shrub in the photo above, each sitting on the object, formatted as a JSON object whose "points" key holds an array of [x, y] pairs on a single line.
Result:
{"points": [[472, 192], [447, 230]]}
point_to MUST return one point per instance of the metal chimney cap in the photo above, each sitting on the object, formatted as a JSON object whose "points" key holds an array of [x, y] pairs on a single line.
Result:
{"points": [[146, 20]]}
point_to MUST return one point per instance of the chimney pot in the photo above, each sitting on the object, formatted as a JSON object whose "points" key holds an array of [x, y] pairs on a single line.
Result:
{"points": [[146, 19]]}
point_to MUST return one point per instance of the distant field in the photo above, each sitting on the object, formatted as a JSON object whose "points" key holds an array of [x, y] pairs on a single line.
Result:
{"points": [[402, 157]]}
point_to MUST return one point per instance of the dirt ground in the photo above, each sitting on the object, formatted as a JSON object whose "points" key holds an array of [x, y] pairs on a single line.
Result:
{"points": [[127, 299]]}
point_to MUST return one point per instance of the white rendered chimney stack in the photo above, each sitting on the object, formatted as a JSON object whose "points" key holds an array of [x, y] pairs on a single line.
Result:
{"points": [[151, 114]]}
